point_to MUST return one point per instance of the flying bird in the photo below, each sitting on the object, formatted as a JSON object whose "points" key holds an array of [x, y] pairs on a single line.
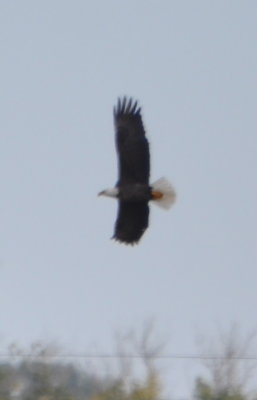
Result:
{"points": [[133, 190]]}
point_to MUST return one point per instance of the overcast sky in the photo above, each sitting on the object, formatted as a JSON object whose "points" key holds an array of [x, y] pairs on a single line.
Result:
{"points": [[192, 66]]}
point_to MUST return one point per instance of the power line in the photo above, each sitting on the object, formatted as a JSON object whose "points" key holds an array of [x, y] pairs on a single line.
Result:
{"points": [[127, 356]]}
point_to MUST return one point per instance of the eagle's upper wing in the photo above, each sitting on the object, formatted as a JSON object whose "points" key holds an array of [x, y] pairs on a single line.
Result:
{"points": [[132, 221], [131, 143]]}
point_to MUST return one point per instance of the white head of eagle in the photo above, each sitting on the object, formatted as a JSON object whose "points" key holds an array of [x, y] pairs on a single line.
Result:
{"points": [[133, 190]]}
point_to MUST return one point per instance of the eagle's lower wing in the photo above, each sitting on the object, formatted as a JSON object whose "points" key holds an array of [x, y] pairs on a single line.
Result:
{"points": [[131, 222], [131, 143]]}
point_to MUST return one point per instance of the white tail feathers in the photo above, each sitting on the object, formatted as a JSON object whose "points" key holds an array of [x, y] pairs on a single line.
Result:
{"points": [[164, 194]]}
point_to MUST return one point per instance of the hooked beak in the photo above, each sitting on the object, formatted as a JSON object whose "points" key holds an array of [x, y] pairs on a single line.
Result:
{"points": [[101, 193]]}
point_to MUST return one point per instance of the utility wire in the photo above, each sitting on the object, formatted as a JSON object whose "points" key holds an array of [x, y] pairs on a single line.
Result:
{"points": [[127, 356]]}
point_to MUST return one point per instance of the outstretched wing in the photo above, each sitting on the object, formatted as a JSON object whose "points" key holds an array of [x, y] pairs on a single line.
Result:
{"points": [[131, 144], [131, 222]]}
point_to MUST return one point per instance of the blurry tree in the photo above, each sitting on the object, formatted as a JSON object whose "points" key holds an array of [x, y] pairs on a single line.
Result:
{"points": [[147, 390], [145, 349], [38, 374], [229, 370], [5, 380], [205, 391]]}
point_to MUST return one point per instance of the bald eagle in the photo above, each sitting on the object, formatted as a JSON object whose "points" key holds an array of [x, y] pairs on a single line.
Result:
{"points": [[133, 190]]}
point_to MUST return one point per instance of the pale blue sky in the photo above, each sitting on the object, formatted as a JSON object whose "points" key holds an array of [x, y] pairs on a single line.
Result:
{"points": [[192, 66]]}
